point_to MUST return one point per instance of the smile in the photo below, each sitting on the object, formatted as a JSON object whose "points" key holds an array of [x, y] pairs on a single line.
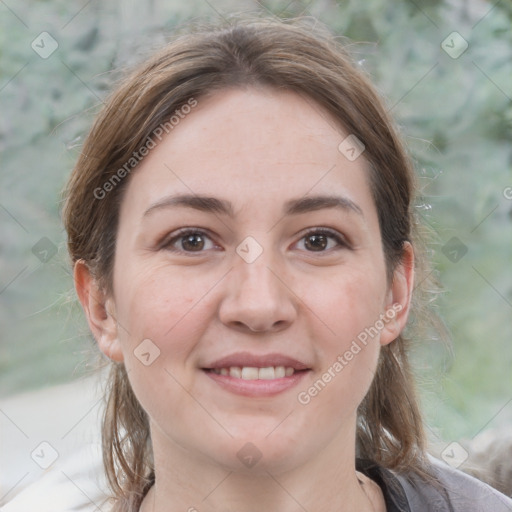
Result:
{"points": [[254, 373]]}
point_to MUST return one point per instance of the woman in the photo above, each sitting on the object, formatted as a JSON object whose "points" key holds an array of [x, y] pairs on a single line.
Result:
{"points": [[244, 248]]}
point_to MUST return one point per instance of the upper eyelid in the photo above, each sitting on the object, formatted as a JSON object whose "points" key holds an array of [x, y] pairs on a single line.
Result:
{"points": [[343, 240], [176, 235]]}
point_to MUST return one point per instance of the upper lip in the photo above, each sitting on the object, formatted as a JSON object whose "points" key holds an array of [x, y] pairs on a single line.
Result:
{"points": [[245, 359]]}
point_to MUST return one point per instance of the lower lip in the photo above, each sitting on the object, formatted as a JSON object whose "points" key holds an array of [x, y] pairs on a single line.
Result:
{"points": [[257, 387]]}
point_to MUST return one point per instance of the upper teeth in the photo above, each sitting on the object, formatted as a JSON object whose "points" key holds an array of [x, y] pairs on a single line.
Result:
{"points": [[252, 373]]}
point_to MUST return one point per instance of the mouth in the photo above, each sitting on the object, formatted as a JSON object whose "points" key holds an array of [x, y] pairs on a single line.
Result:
{"points": [[252, 375], [255, 373]]}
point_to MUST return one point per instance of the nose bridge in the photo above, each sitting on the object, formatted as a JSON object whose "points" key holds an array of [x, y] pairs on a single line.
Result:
{"points": [[253, 260], [257, 278], [256, 297], [256, 281]]}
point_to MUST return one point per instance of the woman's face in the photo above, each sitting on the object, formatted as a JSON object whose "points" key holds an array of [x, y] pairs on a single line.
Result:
{"points": [[248, 240]]}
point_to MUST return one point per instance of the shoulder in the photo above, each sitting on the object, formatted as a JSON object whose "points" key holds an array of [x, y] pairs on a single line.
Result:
{"points": [[456, 492]]}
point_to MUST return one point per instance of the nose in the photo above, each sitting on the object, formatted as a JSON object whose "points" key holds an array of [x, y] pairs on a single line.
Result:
{"points": [[257, 298]]}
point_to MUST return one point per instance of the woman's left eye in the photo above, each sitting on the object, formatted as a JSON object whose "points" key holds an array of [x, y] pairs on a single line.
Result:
{"points": [[321, 240]]}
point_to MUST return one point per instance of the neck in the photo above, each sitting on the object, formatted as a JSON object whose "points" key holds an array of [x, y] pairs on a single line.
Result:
{"points": [[326, 482]]}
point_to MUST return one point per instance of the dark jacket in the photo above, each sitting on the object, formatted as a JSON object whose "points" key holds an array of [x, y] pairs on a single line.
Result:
{"points": [[457, 492]]}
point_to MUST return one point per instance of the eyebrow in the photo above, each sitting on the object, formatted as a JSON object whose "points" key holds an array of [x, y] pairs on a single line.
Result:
{"points": [[223, 207]]}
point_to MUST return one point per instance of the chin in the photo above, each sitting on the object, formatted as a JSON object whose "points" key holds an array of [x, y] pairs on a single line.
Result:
{"points": [[259, 451]]}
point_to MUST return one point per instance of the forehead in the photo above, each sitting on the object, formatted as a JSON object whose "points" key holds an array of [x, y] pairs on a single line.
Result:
{"points": [[251, 145]]}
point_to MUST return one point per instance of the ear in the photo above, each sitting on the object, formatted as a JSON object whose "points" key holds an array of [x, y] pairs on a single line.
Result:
{"points": [[398, 300], [99, 310]]}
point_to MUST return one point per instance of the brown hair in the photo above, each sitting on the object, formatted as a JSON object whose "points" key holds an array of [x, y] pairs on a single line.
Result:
{"points": [[245, 52]]}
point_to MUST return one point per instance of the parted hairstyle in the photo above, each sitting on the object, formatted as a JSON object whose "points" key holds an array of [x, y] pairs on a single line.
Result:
{"points": [[243, 52]]}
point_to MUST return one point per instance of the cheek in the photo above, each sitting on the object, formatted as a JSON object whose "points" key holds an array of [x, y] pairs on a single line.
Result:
{"points": [[346, 304], [348, 311], [172, 309], [167, 306]]}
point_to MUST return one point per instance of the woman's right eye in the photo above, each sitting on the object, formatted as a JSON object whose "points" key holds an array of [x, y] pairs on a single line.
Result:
{"points": [[188, 241]]}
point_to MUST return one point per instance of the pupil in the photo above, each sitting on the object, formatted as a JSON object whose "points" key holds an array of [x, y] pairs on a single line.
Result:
{"points": [[319, 242], [189, 241]]}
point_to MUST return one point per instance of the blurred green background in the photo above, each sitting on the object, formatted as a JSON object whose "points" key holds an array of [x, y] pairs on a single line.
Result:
{"points": [[454, 112]]}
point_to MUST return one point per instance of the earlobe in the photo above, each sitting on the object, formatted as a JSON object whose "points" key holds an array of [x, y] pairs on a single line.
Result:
{"points": [[99, 310], [398, 300]]}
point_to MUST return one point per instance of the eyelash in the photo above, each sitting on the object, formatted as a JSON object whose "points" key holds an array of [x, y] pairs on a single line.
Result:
{"points": [[169, 242]]}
